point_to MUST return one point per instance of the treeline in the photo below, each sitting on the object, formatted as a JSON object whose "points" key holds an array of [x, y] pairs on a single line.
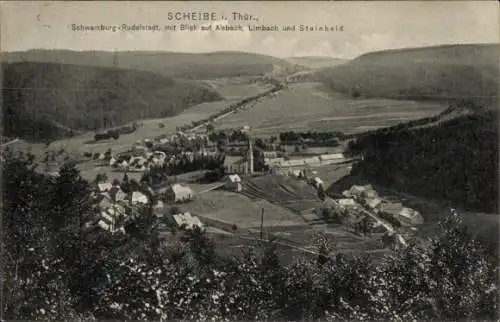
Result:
{"points": [[161, 173], [170, 64], [455, 160], [57, 268], [313, 137], [234, 107], [42, 100]]}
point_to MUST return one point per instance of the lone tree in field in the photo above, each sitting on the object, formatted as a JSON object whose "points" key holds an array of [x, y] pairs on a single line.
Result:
{"points": [[355, 93]]}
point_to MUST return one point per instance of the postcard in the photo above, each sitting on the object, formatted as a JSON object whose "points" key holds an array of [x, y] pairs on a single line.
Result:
{"points": [[249, 160]]}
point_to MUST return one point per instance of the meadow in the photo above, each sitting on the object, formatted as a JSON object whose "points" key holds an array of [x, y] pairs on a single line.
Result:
{"points": [[307, 106]]}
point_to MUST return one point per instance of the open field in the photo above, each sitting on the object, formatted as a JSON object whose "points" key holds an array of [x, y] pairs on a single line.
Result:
{"points": [[286, 191], [332, 173], [151, 127], [223, 208], [295, 243], [237, 87], [306, 107]]}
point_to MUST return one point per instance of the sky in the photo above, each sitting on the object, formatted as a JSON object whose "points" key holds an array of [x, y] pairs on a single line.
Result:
{"points": [[368, 26]]}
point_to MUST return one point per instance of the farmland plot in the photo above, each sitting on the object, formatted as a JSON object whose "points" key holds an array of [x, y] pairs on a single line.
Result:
{"points": [[305, 107]]}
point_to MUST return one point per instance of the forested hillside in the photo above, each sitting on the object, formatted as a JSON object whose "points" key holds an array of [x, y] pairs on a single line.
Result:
{"points": [[172, 64], [435, 73], [43, 100], [454, 160]]}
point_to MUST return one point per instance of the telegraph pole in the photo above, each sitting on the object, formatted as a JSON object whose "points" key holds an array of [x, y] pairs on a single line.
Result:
{"points": [[262, 224]]}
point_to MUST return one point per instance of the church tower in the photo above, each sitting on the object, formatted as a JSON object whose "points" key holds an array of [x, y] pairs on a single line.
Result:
{"points": [[250, 156]]}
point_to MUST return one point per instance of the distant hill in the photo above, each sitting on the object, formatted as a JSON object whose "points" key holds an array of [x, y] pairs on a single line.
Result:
{"points": [[172, 64], [47, 100], [316, 61], [435, 73]]}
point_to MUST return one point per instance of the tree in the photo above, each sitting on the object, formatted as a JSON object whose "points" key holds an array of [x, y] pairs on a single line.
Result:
{"points": [[321, 193]]}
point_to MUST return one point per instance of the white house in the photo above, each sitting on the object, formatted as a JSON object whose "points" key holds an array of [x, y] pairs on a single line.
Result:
{"points": [[296, 173], [117, 194], [346, 202], [103, 187], [269, 154], [373, 203], [187, 221], [139, 198], [410, 216], [111, 218], [233, 182], [331, 156], [317, 182]]}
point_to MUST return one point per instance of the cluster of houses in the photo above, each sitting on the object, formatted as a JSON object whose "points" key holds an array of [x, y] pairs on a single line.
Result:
{"points": [[367, 197], [116, 208]]}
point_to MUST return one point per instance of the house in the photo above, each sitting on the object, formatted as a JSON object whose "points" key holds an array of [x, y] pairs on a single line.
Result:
{"points": [[410, 217], [269, 154], [369, 194], [317, 182], [293, 163], [326, 158], [187, 221], [373, 203], [138, 198], [117, 194], [235, 164], [346, 202], [104, 202], [355, 191], [112, 218], [296, 173], [103, 187], [233, 182], [123, 165], [177, 193], [273, 161], [245, 128]]}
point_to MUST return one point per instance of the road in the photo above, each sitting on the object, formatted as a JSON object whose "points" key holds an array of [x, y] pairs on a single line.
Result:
{"points": [[10, 142]]}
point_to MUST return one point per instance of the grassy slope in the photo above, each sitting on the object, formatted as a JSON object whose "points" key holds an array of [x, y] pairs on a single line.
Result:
{"points": [[43, 100], [180, 65], [451, 71]]}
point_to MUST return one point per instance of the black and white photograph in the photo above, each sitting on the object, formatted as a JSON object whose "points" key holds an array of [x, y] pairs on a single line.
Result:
{"points": [[249, 160]]}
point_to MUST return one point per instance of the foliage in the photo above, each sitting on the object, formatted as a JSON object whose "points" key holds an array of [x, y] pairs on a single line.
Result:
{"points": [[57, 269], [128, 95], [452, 161]]}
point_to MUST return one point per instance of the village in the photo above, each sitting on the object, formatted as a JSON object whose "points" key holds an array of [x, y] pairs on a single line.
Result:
{"points": [[175, 176]]}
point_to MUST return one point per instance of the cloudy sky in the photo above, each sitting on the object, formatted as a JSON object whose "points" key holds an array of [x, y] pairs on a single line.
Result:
{"points": [[368, 26]]}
